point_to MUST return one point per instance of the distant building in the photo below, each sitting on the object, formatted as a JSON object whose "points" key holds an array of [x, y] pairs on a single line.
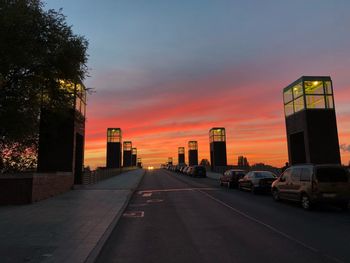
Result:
{"points": [[311, 124], [242, 161], [217, 139], [134, 157], [192, 153], [127, 154], [181, 155], [139, 162], [114, 148], [62, 134], [170, 160]]}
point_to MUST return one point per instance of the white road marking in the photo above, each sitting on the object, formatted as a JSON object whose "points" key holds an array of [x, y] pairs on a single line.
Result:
{"points": [[147, 194], [134, 214], [260, 222], [271, 228], [176, 190]]}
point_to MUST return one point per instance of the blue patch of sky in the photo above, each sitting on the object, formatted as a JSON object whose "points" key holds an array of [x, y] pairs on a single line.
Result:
{"points": [[189, 38]]}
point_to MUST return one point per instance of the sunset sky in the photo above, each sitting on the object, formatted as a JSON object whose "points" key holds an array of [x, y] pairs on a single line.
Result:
{"points": [[167, 71]]}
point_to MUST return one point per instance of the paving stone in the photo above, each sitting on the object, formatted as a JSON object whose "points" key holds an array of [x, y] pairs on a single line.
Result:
{"points": [[64, 228]]}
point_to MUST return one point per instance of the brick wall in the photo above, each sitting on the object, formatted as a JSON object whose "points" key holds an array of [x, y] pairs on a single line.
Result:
{"points": [[15, 189], [25, 188], [46, 185]]}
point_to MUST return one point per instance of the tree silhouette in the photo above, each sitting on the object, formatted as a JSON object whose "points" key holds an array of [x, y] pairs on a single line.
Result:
{"points": [[37, 50], [204, 162]]}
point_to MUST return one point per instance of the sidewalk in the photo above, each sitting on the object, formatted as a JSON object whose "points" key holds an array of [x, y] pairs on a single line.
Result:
{"points": [[71, 227]]}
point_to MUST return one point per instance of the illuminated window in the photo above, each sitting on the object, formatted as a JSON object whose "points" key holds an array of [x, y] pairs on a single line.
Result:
{"points": [[299, 104], [288, 96], [217, 135], [313, 87], [127, 146], [78, 94], [310, 93], [192, 145], [114, 135], [288, 109], [328, 87], [297, 90], [329, 102], [315, 102], [181, 150]]}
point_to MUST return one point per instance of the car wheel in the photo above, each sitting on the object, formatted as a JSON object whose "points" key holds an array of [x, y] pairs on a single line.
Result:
{"points": [[275, 195], [305, 202]]}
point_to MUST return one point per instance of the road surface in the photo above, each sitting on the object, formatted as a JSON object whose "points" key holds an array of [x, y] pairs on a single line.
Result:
{"points": [[175, 218]]}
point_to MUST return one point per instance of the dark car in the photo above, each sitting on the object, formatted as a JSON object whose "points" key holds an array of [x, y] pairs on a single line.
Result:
{"points": [[310, 184], [177, 168], [198, 171], [257, 181], [230, 177]]}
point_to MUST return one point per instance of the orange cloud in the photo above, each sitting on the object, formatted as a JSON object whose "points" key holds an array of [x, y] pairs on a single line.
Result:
{"points": [[159, 117]]}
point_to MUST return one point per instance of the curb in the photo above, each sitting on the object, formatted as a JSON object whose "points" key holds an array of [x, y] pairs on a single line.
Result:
{"points": [[95, 252]]}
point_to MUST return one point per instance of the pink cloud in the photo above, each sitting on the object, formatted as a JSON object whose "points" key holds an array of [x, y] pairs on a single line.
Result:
{"points": [[159, 116]]}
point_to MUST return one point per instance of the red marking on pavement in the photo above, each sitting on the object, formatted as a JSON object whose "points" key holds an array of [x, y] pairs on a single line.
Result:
{"points": [[138, 205], [155, 200]]}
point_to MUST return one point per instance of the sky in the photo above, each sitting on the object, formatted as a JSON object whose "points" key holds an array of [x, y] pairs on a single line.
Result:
{"points": [[167, 71]]}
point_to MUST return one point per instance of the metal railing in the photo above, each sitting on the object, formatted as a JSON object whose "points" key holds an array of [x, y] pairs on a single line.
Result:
{"points": [[92, 177]]}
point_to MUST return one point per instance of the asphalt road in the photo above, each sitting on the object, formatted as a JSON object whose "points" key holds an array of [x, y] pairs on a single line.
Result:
{"points": [[175, 218]]}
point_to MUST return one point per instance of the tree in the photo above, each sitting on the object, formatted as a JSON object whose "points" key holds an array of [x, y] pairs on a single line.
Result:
{"points": [[204, 162], [37, 50]]}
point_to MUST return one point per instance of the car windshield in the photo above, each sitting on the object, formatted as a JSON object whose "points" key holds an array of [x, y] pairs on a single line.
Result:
{"points": [[264, 175], [332, 174]]}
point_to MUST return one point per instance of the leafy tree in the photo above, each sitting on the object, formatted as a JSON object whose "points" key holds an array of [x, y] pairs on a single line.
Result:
{"points": [[204, 162], [37, 50]]}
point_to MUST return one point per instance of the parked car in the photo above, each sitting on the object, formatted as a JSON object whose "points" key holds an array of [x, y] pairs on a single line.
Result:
{"points": [[182, 168], [177, 168], [310, 184], [189, 170], [185, 170], [198, 171], [230, 177], [257, 181]]}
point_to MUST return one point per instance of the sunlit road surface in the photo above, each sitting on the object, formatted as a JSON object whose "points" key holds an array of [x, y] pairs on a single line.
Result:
{"points": [[175, 218]]}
